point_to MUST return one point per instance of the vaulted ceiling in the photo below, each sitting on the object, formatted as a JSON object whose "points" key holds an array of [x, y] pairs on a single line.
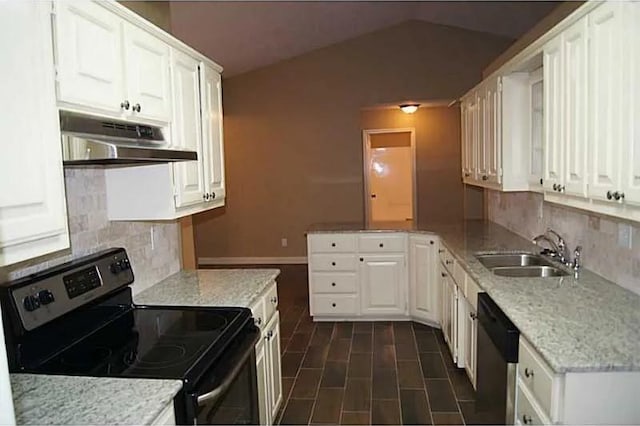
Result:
{"points": [[243, 35]]}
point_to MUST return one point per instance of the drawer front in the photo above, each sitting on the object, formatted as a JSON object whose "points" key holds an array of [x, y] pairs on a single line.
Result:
{"points": [[270, 301], [446, 258], [329, 282], [382, 243], [258, 312], [460, 277], [536, 375], [333, 262], [332, 243], [335, 304], [528, 412]]}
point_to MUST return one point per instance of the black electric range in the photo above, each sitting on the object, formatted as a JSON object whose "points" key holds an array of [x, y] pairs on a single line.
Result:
{"points": [[79, 319]]}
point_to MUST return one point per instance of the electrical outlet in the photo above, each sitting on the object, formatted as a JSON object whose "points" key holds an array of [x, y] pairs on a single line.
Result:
{"points": [[624, 235], [284, 242]]}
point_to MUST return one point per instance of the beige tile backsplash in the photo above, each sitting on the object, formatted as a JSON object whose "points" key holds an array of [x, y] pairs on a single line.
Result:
{"points": [[526, 214], [90, 231]]}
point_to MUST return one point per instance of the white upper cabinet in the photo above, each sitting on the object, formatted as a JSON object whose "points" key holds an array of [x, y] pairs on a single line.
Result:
{"points": [[108, 65], [536, 129], [492, 131], [470, 118], [574, 94], [33, 217], [189, 175], [630, 165], [553, 96], [147, 74], [212, 134], [89, 54]]}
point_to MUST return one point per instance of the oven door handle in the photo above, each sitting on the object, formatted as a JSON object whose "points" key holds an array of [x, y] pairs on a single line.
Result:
{"points": [[215, 393]]}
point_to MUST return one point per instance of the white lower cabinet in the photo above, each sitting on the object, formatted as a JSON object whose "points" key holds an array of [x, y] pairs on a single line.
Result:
{"points": [[449, 320], [382, 279], [268, 355], [423, 285], [33, 212], [469, 337]]}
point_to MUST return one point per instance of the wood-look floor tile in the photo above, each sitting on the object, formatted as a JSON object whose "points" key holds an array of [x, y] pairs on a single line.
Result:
{"points": [[403, 334], [415, 407], [447, 418], [360, 365], [291, 363], [334, 375], [440, 394], [307, 382], [385, 412], [328, 406], [322, 334], [355, 418], [385, 384], [433, 366], [410, 375], [384, 357], [382, 334], [361, 343], [423, 328], [299, 342], [462, 386], [406, 351], [427, 342], [287, 384], [316, 356], [471, 416], [339, 349], [297, 412], [344, 330], [357, 395], [363, 327]]}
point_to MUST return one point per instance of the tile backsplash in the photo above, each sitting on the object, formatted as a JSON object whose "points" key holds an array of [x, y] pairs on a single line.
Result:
{"points": [[91, 231], [526, 214]]}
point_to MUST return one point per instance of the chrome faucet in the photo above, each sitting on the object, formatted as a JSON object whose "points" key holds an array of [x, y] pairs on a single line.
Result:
{"points": [[558, 249]]}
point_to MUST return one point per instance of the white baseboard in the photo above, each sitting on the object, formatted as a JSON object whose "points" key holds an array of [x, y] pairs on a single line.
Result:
{"points": [[300, 260]]}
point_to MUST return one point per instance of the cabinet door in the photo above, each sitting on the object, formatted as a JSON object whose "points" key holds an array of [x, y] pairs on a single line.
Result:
{"points": [[147, 74], [481, 137], [470, 336], [493, 134], [423, 286], [89, 55], [382, 284], [274, 367], [631, 148], [574, 50], [211, 96], [33, 216], [449, 312], [465, 133], [189, 175], [552, 70], [471, 140], [263, 383], [536, 130]]}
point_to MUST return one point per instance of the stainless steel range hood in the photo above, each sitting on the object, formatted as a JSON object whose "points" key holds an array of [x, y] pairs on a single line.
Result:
{"points": [[88, 140]]}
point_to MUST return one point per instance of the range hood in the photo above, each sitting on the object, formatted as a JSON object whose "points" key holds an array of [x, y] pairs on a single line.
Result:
{"points": [[88, 140]]}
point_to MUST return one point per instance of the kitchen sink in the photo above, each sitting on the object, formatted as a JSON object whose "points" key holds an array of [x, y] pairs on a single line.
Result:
{"points": [[491, 261], [529, 271]]}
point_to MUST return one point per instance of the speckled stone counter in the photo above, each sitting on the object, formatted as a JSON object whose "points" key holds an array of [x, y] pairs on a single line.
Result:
{"points": [[67, 400], [589, 324], [209, 287]]}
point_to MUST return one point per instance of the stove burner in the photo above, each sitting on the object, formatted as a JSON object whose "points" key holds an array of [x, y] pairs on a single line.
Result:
{"points": [[158, 357], [83, 358]]}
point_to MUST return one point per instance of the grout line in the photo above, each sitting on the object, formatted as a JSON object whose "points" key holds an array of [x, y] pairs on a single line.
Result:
{"points": [[285, 403], [315, 400], [424, 380]]}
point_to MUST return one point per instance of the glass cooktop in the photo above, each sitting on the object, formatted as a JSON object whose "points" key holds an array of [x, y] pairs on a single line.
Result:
{"points": [[151, 342]]}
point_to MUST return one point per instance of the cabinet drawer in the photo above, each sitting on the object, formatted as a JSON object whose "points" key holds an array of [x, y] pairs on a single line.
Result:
{"points": [[329, 282], [381, 243], [258, 312], [333, 262], [528, 412], [446, 258], [270, 301], [537, 376], [335, 304], [332, 243]]}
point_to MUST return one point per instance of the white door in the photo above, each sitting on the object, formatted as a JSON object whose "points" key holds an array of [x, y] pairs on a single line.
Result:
{"points": [[274, 367], [575, 66], [188, 175], [212, 136], [493, 134], [389, 168], [261, 372], [89, 56], [553, 140], [631, 148], [423, 284], [470, 336], [382, 278], [147, 75], [33, 213]]}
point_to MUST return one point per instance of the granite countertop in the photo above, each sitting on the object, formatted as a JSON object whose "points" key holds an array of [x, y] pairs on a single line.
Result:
{"points": [[209, 287], [68, 400], [588, 324]]}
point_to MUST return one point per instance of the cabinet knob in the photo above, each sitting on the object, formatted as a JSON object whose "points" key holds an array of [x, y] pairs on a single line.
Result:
{"points": [[618, 195], [441, 251], [125, 105], [333, 244], [467, 174], [448, 262], [333, 263], [526, 419], [381, 245], [473, 315], [333, 284], [333, 304], [555, 186], [213, 195], [259, 321], [609, 195], [528, 373], [270, 334], [137, 108], [362, 259], [431, 242], [443, 274], [541, 181], [274, 300], [485, 177]]}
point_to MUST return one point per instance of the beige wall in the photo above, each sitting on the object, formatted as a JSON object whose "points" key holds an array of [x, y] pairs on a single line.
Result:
{"points": [[293, 132], [158, 12]]}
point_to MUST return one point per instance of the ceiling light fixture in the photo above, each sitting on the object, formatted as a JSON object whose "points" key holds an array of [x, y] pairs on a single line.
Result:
{"points": [[409, 108]]}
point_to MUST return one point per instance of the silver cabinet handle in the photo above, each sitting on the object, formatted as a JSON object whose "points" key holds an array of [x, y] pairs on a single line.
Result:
{"points": [[125, 105], [609, 195], [618, 195], [528, 373], [555, 186], [473, 316], [526, 419], [213, 195], [136, 108], [274, 300]]}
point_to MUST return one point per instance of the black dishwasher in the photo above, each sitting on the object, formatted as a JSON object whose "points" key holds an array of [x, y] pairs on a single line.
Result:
{"points": [[496, 363]]}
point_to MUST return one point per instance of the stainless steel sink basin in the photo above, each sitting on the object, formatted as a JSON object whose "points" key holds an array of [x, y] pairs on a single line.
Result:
{"points": [[491, 261], [529, 271]]}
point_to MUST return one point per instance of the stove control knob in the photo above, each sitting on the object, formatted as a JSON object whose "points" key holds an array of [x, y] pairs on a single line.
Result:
{"points": [[45, 297], [31, 303], [116, 267]]}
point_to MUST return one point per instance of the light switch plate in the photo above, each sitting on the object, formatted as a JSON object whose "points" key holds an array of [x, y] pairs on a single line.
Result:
{"points": [[625, 235]]}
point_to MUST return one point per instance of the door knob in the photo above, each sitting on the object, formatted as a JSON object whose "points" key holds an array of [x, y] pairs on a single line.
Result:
{"points": [[373, 195]]}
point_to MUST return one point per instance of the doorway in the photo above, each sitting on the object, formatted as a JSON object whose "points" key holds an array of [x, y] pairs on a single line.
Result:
{"points": [[389, 174]]}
